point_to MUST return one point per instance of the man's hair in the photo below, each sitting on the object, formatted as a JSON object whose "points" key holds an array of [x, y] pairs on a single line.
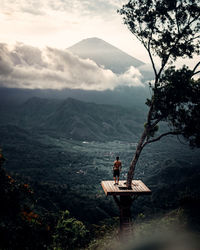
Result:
{"points": [[117, 158]]}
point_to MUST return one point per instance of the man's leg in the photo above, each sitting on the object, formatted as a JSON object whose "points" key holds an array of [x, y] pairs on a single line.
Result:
{"points": [[114, 177], [118, 173]]}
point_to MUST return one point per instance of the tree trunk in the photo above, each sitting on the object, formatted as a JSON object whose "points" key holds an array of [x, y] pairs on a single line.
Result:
{"points": [[124, 204], [125, 213], [135, 159]]}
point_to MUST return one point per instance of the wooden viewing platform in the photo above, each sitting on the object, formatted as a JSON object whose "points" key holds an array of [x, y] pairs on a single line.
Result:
{"points": [[125, 199], [138, 188]]}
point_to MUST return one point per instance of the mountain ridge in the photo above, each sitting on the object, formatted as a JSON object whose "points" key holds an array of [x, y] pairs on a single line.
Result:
{"points": [[81, 120], [105, 54]]}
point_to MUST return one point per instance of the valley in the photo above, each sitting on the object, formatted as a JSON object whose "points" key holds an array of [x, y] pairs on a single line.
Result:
{"points": [[64, 170], [66, 173]]}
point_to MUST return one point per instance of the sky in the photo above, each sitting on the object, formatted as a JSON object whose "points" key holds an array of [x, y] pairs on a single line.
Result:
{"points": [[36, 33], [62, 23]]}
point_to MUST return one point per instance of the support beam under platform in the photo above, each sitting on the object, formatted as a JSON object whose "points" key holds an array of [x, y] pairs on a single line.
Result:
{"points": [[137, 188], [127, 196]]}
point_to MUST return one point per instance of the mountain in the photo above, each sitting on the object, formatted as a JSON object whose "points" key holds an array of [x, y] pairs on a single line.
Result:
{"points": [[80, 120], [122, 96], [102, 53], [105, 54]]}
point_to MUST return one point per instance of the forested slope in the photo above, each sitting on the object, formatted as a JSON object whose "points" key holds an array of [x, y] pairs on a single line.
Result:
{"points": [[61, 173]]}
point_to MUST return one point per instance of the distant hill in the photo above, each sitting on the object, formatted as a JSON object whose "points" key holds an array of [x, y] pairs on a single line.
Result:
{"points": [[105, 54], [122, 96], [79, 120]]}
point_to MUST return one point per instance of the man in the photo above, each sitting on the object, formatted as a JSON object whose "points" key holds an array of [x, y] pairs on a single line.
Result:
{"points": [[116, 170]]}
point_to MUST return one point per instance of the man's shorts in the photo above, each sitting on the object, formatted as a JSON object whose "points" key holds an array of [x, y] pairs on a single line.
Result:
{"points": [[116, 173]]}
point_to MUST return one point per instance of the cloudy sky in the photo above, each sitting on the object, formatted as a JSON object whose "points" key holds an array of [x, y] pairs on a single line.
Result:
{"points": [[61, 23], [25, 66], [36, 33]]}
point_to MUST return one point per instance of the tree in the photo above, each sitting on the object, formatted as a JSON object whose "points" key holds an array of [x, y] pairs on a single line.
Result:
{"points": [[168, 30], [20, 226], [69, 233]]}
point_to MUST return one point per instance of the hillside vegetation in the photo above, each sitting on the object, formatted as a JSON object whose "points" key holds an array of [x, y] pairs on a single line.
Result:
{"points": [[62, 172]]}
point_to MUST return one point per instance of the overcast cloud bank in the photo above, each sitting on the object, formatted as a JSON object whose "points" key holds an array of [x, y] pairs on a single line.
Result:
{"points": [[82, 7], [29, 67]]}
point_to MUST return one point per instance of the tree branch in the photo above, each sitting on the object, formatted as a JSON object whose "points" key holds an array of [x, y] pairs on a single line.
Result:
{"points": [[156, 122], [159, 137], [151, 58], [196, 73], [194, 19], [147, 47], [180, 35], [192, 39], [177, 24], [149, 113], [165, 134], [196, 66]]}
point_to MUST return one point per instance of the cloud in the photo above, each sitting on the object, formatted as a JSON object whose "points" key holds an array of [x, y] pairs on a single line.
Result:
{"points": [[83, 7], [28, 67], [63, 23]]}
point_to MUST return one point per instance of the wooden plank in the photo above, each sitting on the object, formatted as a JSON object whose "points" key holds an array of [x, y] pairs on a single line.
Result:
{"points": [[104, 184], [135, 186], [111, 187], [145, 187], [138, 188]]}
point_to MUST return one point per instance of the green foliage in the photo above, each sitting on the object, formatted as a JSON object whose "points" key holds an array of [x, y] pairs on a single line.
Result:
{"points": [[176, 100], [20, 226], [167, 28], [69, 233], [104, 233]]}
